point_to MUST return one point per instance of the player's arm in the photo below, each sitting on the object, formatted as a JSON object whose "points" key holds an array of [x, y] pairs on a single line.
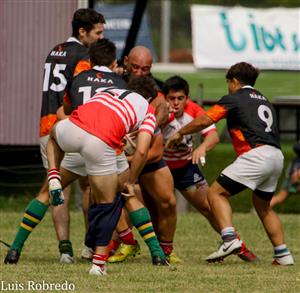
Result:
{"points": [[156, 150], [140, 155], [198, 124], [161, 110], [209, 142]]}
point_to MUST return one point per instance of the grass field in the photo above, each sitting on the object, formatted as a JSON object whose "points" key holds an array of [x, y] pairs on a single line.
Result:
{"points": [[194, 241]]}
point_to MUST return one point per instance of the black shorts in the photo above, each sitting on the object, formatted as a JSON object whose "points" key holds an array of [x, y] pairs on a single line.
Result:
{"points": [[153, 167]]}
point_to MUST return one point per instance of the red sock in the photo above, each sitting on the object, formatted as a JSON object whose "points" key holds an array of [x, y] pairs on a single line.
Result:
{"points": [[99, 259], [112, 246], [167, 246], [53, 174], [127, 237]]}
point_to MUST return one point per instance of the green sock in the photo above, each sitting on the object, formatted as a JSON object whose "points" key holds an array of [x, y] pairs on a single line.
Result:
{"points": [[34, 213], [142, 221], [65, 246]]}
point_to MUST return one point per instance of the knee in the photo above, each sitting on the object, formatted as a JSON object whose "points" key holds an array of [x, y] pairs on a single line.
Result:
{"points": [[168, 203]]}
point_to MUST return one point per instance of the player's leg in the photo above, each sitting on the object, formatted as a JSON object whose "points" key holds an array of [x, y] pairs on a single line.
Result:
{"points": [[103, 217], [273, 228], [140, 218], [61, 218], [218, 198], [198, 198], [34, 213], [159, 185]]}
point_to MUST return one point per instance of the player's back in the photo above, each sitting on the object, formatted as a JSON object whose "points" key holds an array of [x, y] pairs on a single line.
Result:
{"points": [[251, 119], [58, 72], [112, 113], [86, 84]]}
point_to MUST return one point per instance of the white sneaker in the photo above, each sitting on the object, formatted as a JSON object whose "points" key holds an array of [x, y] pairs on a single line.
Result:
{"points": [[283, 260], [225, 249], [87, 252], [98, 270], [66, 258]]}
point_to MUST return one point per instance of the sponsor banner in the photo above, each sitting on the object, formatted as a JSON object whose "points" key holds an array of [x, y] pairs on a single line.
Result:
{"points": [[267, 38], [118, 19]]}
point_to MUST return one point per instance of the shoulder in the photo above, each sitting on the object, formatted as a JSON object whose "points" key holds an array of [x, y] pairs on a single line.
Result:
{"points": [[193, 109]]}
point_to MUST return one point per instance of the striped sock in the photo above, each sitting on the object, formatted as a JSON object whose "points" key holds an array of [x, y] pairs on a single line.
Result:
{"points": [[99, 259], [127, 236], [142, 221], [65, 246], [54, 174], [34, 213], [228, 234], [281, 250], [167, 246]]}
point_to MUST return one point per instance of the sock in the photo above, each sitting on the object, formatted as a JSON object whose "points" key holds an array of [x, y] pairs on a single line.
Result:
{"points": [[127, 237], [33, 214], [228, 234], [112, 246], [53, 174], [142, 221], [281, 250], [167, 246], [99, 259], [65, 246]]}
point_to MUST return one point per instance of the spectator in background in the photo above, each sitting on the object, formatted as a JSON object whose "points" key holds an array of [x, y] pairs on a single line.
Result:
{"points": [[291, 183], [87, 26]]}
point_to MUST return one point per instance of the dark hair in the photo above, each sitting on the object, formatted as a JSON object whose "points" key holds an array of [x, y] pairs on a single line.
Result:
{"points": [[176, 83], [85, 18], [143, 85], [244, 72], [102, 52]]}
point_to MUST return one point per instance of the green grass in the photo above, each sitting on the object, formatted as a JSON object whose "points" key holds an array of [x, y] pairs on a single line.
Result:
{"points": [[270, 83], [194, 241]]}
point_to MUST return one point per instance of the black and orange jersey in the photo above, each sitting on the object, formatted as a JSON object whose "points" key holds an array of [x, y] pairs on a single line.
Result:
{"points": [[251, 119], [58, 73], [87, 83]]}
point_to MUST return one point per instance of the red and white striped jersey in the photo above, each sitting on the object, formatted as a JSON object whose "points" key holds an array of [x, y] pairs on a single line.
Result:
{"points": [[179, 157], [112, 113]]}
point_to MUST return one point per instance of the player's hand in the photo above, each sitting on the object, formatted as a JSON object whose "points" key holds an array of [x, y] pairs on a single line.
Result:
{"points": [[55, 192], [128, 190], [198, 156], [174, 141]]}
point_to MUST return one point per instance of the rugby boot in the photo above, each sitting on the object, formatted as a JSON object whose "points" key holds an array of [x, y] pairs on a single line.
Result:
{"points": [[124, 251], [12, 256]]}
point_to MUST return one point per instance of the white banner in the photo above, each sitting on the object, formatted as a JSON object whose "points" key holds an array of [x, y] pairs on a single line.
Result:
{"points": [[267, 38]]}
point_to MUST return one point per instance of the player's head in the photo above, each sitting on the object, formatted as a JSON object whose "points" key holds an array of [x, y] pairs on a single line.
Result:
{"points": [[176, 90], [103, 53], [143, 85], [88, 26], [241, 74], [139, 61]]}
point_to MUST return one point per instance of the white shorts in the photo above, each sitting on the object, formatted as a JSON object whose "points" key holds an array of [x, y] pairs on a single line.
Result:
{"points": [[258, 169], [99, 158], [72, 162]]}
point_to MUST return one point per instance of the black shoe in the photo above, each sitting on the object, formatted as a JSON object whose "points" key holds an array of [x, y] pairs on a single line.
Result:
{"points": [[12, 257], [158, 261]]}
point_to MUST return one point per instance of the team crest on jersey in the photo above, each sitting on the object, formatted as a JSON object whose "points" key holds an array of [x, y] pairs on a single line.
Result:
{"points": [[99, 79]]}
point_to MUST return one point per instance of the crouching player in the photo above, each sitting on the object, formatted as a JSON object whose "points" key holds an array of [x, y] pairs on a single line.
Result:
{"points": [[95, 130]]}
